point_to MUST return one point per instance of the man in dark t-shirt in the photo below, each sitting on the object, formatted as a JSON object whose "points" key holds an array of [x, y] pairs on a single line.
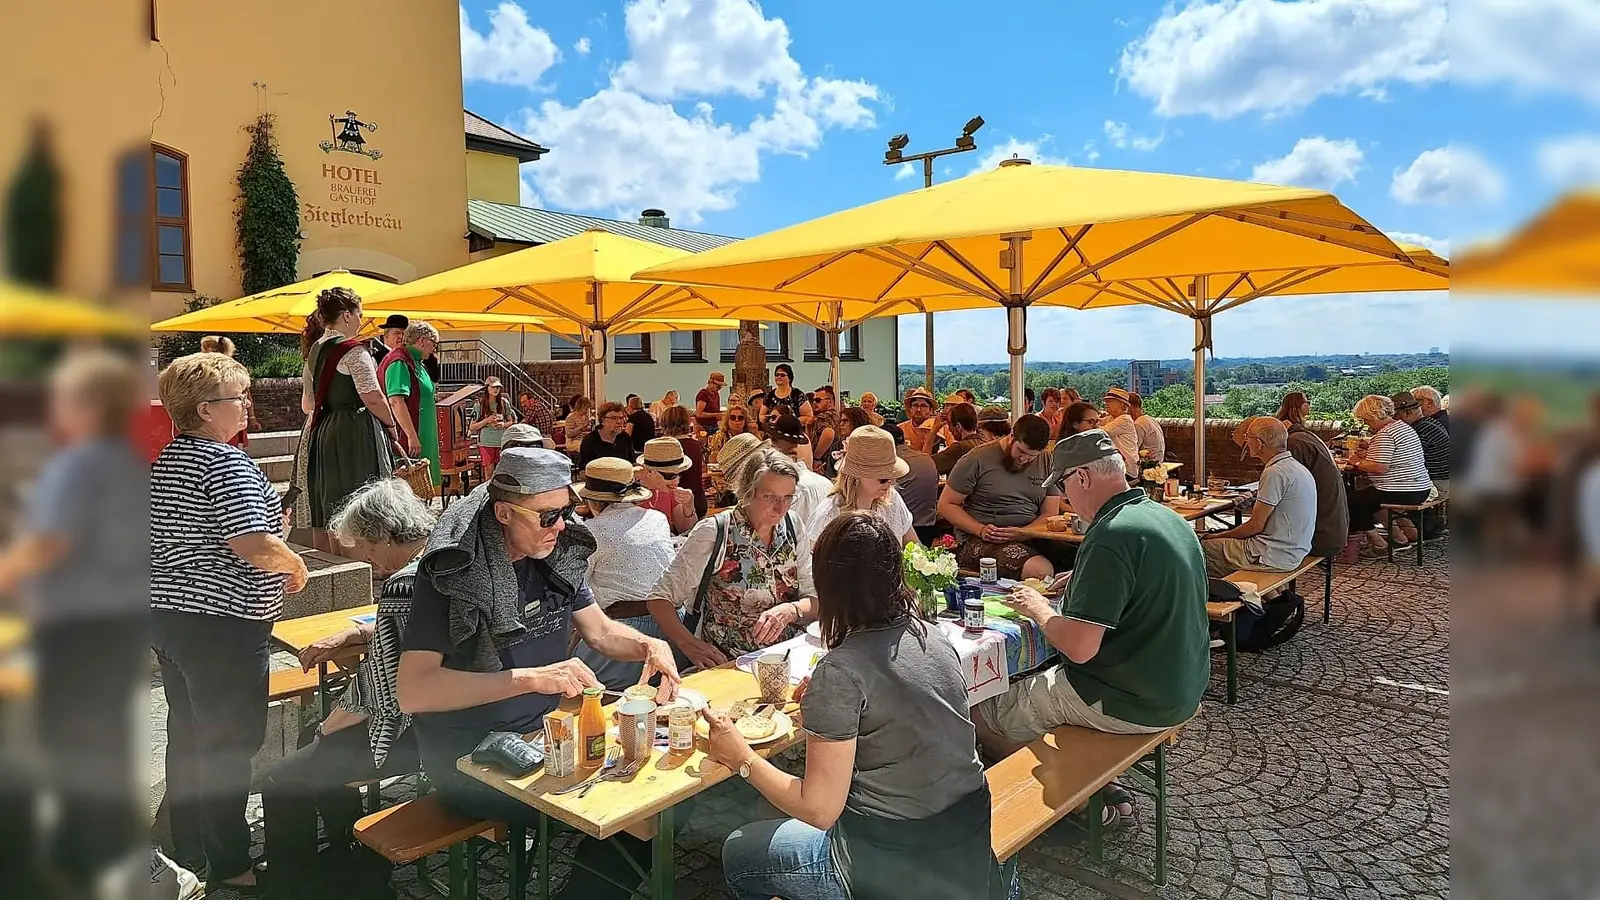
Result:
{"points": [[708, 404], [455, 696], [641, 428], [610, 438]]}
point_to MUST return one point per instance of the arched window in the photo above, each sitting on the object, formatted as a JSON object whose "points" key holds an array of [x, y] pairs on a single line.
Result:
{"points": [[171, 267]]}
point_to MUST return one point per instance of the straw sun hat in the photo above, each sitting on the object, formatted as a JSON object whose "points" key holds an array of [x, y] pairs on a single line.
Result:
{"points": [[869, 453], [665, 455], [610, 478]]}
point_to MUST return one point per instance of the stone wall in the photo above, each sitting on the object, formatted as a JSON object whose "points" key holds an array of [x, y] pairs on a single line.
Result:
{"points": [[278, 399], [277, 403], [1222, 454]]}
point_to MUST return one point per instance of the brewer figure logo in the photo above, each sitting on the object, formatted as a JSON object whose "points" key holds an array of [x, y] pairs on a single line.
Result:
{"points": [[347, 135]]}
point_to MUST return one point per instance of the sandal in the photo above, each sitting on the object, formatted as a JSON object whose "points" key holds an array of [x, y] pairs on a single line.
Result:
{"points": [[1119, 798]]}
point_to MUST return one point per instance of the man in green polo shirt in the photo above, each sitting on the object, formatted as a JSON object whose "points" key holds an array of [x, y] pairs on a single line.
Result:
{"points": [[1133, 630]]}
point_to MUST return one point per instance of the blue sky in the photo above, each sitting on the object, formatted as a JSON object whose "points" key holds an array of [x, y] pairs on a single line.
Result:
{"points": [[740, 118]]}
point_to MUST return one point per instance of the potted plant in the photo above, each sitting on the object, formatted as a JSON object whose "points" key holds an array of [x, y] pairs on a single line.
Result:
{"points": [[929, 570]]}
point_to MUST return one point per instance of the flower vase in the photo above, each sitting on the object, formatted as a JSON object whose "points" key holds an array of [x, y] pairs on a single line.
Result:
{"points": [[930, 600]]}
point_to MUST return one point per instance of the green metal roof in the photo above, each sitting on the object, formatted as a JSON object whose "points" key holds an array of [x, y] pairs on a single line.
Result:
{"points": [[526, 225]]}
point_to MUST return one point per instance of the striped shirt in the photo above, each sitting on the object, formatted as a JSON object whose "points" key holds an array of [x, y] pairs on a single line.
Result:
{"points": [[1435, 447], [1398, 447], [202, 494]]}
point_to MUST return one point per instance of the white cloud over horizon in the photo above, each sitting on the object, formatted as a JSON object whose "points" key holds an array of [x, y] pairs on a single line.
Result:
{"points": [[1570, 160], [1314, 162], [1451, 175], [1225, 58], [651, 137], [514, 52]]}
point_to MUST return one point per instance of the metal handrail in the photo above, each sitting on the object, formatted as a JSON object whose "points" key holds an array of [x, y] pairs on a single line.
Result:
{"points": [[469, 361]]}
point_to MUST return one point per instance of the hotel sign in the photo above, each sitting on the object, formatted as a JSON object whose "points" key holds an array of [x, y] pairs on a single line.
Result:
{"points": [[352, 190]]}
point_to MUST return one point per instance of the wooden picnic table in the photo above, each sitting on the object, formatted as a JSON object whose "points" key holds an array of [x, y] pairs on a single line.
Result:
{"points": [[641, 804], [1194, 514], [294, 635]]}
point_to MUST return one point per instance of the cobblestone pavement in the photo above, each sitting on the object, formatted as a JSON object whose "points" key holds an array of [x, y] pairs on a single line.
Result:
{"points": [[1329, 779]]}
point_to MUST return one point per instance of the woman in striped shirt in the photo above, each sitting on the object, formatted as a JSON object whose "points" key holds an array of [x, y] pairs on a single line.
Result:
{"points": [[1393, 462], [218, 570]]}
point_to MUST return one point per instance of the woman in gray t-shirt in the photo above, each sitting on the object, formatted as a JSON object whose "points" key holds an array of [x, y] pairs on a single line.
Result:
{"points": [[893, 803]]}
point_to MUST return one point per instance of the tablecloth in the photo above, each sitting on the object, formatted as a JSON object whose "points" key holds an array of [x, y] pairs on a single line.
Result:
{"points": [[988, 661]]}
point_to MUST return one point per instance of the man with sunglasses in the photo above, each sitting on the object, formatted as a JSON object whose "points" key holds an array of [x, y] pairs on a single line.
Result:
{"points": [[499, 591]]}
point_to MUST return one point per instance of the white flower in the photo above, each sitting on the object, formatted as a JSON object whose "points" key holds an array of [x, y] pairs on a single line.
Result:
{"points": [[924, 565]]}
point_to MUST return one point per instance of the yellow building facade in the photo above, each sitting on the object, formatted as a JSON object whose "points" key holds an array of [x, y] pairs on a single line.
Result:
{"points": [[367, 106]]}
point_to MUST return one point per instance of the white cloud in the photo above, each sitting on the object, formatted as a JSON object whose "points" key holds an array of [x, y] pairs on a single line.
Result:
{"points": [[529, 194], [582, 47], [1536, 45], [514, 52], [1448, 175], [1314, 162], [1224, 58], [1440, 246], [906, 171], [1034, 150], [619, 152], [631, 146], [1574, 159], [1123, 138], [1090, 153]]}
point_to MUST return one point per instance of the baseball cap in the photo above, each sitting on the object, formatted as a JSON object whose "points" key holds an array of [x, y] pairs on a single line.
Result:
{"points": [[1076, 451], [532, 470], [522, 433]]}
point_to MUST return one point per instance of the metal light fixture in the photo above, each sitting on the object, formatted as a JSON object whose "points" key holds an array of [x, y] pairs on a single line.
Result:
{"points": [[965, 141], [896, 144]]}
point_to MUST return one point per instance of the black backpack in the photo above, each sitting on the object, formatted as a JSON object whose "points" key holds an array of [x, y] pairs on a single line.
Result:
{"points": [[1279, 620]]}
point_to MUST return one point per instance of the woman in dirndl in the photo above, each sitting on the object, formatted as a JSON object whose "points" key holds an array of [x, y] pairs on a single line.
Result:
{"points": [[351, 426]]}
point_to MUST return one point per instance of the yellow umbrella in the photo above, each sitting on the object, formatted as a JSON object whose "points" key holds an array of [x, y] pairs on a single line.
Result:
{"points": [[1025, 234], [1558, 252], [28, 312], [578, 285], [281, 310]]}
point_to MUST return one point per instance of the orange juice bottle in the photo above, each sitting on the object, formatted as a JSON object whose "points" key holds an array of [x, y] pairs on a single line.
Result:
{"points": [[591, 730]]}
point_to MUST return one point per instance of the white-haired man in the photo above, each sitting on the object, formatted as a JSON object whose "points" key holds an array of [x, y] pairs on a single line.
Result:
{"points": [[1277, 536], [1132, 632], [1432, 404], [499, 591]]}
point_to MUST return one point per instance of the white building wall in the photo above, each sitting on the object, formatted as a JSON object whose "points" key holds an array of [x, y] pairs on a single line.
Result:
{"points": [[875, 371]]}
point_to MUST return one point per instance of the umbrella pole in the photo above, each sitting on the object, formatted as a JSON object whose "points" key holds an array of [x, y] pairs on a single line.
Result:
{"points": [[1202, 322], [1016, 322], [597, 356], [833, 353], [927, 359]]}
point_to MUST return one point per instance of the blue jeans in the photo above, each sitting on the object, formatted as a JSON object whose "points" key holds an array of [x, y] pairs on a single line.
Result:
{"points": [[783, 858]]}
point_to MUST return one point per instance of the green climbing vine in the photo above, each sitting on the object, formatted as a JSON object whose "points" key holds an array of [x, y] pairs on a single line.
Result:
{"points": [[268, 213]]}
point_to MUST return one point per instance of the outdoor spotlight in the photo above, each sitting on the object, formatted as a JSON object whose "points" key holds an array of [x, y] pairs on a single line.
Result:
{"points": [[899, 142], [972, 126], [965, 142]]}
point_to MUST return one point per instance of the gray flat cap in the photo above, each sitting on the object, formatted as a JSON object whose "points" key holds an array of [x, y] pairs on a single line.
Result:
{"points": [[532, 470]]}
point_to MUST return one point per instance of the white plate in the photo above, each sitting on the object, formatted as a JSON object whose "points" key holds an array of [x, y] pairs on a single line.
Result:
{"points": [[695, 698], [785, 728]]}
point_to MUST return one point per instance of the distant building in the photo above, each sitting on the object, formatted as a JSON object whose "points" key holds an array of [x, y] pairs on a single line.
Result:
{"points": [[1146, 376]]}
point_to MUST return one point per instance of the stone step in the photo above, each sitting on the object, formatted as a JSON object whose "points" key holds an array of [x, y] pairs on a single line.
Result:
{"points": [[335, 583], [278, 468], [273, 443]]}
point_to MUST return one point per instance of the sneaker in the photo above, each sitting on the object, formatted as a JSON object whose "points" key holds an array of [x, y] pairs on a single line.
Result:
{"points": [[1218, 643]]}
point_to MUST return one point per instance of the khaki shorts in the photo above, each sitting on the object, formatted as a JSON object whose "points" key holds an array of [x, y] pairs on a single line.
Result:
{"points": [[1039, 703], [1224, 556]]}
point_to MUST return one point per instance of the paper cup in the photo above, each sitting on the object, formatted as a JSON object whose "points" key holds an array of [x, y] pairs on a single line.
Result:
{"points": [[772, 677]]}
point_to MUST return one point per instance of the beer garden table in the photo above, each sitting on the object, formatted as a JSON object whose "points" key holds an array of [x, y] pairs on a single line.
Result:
{"points": [[642, 804], [1212, 507], [294, 635]]}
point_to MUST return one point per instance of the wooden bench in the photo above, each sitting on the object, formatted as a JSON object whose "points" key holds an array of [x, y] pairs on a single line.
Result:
{"points": [[1269, 583], [1421, 509], [1226, 613], [1041, 784], [290, 684], [1266, 584], [410, 832]]}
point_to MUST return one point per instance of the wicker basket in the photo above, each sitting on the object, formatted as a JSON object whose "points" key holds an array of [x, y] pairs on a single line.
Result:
{"points": [[419, 475]]}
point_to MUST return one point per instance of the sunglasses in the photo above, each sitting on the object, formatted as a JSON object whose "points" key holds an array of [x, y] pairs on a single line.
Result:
{"points": [[669, 476], [547, 517], [736, 418]]}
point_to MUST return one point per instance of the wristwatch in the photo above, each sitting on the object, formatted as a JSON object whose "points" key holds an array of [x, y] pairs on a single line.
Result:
{"points": [[744, 769]]}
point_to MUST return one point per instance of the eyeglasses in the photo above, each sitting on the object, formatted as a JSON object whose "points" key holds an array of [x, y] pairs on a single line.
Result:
{"points": [[242, 398], [783, 500], [547, 517], [669, 476]]}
